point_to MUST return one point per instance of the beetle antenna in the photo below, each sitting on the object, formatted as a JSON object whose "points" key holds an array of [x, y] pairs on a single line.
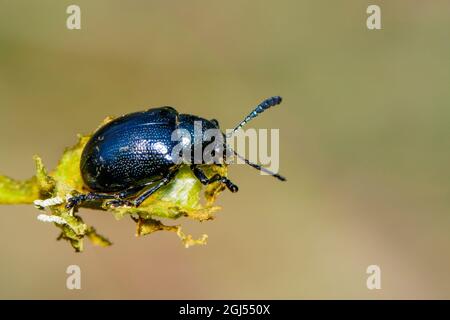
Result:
{"points": [[257, 166], [263, 106]]}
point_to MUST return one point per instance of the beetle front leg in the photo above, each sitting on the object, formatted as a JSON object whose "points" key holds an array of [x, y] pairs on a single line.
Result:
{"points": [[201, 176]]}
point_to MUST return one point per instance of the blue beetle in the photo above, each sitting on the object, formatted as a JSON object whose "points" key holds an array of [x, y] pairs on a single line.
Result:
{"points": [[129, 158]]}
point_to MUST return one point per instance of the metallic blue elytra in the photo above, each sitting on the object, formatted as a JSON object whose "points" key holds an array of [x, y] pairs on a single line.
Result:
{"points": [[130, 158], [133, 150]]}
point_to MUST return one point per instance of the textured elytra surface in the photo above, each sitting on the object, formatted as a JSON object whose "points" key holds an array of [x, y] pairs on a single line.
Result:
{"points": [[130, 151], [50, 190]]}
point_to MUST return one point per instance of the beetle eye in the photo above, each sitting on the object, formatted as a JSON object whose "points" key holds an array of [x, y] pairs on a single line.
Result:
{"points": [[215, 122]]}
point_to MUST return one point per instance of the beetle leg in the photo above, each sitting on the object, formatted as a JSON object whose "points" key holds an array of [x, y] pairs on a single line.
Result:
{"points": [[119, 203], [120, 197], [201, 176], [161, 183], [129, 192], [91, 196], [145, 194]]}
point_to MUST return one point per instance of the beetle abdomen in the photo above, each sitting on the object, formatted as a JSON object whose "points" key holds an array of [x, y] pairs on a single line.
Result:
{"points": [[130, 151]]}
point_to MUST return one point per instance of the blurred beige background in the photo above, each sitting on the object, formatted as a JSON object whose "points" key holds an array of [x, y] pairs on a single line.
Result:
{"points": [[364, 131]]}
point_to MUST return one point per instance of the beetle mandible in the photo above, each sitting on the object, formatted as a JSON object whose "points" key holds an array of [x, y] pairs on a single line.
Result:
{"points": [[128, 159]]}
